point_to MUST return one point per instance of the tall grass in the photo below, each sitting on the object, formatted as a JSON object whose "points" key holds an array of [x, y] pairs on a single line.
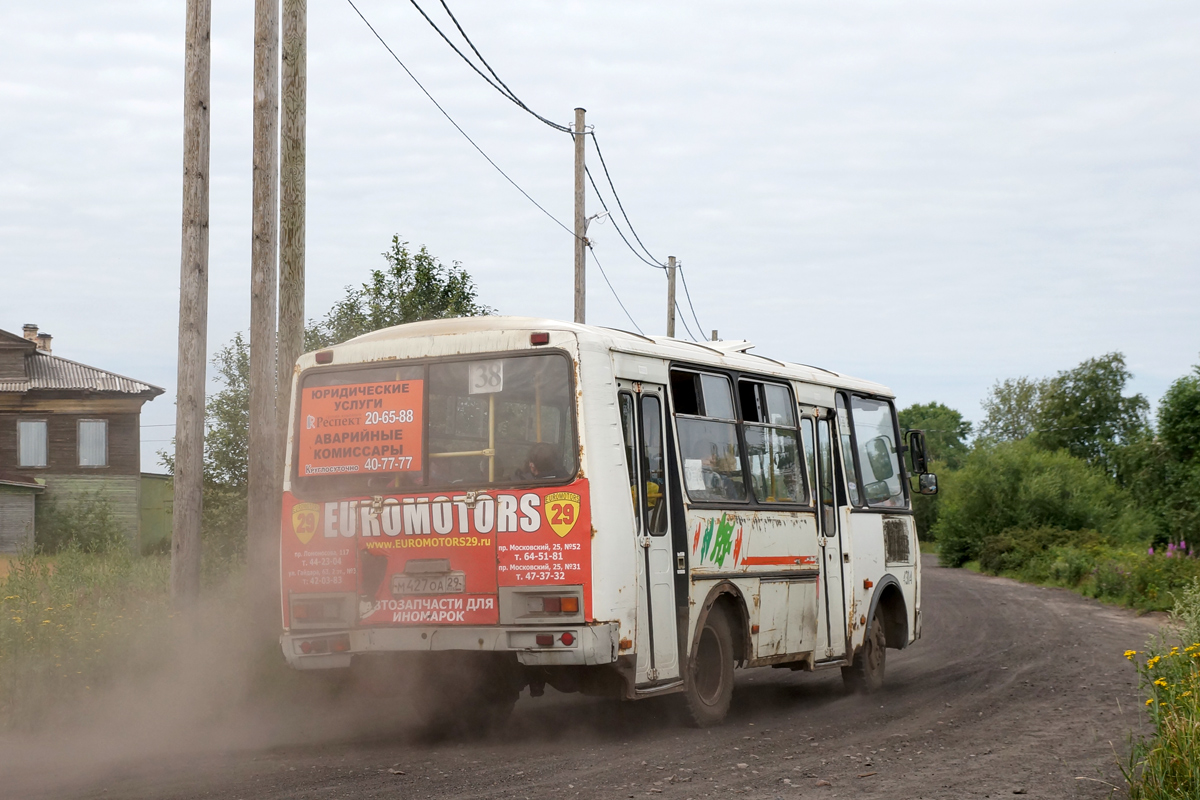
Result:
{"points": [[69, 623], [1167, 765]]}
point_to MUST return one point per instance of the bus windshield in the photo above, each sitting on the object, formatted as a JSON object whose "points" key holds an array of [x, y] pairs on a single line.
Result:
{"points": [[474, 423]]}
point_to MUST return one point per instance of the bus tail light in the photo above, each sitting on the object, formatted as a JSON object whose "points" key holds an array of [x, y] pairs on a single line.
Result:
{"points": [[545, 640], [317, 610], [541, 337], [567, 638], [554, 604], [324, 644]]}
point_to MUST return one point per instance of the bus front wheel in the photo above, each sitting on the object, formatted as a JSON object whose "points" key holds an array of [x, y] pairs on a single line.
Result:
{"points": [[865, 675], [709, 686]]}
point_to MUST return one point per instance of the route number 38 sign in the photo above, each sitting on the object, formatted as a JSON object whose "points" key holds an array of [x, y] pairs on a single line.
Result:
{"points": [[486, 377]]}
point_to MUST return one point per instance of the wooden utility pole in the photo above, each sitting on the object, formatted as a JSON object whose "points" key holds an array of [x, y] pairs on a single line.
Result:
{"points": [[193, 310], [263, 510], [580, 224], [671, 296], [293, 102]]}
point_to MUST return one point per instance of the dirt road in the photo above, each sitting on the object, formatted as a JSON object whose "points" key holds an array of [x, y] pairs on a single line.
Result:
{"points": [[1012, 690]]}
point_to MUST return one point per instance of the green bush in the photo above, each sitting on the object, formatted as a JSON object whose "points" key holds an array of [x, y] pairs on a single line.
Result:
{"points": [[84, 523], [1085, 562], [1016, 485]]}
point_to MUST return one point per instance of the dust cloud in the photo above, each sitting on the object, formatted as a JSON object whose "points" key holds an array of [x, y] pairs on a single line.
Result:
{"points": [[210, 682]]}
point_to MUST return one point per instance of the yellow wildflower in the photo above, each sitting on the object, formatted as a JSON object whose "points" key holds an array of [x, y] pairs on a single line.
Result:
{"points": [[1150, 701], [1130, 654], [1160, 682]]}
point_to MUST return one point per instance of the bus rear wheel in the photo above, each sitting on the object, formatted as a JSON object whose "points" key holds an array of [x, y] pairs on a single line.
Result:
{"points": [[709, 680], [865, 675]]}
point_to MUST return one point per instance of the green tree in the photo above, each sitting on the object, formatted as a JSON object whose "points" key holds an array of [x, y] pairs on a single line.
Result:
{"points": [[1163, 471], [1085, 411], [946, 432], [1011, 409], [226, 448], [1179, 418], [414, 286]]}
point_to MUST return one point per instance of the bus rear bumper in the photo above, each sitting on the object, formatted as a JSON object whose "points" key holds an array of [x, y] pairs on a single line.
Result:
{"points": [[542, 646]]}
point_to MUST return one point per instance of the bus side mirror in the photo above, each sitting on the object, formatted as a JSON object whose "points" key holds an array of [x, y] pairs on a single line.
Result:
{"points": [[927, 483], [916, 452]]}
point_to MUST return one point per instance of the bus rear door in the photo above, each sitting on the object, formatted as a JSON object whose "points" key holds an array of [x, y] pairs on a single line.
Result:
{"points": [[643, 416]]}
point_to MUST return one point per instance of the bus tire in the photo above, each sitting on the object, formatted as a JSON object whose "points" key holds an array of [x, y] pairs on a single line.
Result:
{"points": [[865, 675], [709, 681]]}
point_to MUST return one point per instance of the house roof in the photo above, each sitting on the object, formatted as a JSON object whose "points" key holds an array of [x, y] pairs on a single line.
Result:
{"points": [[20, 481], [47, 372]]}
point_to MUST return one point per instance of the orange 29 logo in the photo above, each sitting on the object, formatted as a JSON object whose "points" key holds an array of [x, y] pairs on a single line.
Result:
{"points": [[306, 517], [562, 508]]}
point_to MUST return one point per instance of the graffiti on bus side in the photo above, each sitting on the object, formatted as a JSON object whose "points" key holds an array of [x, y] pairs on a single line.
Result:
{"points": [[716, 540]]}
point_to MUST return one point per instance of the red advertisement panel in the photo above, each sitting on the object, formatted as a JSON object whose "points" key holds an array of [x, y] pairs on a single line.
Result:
{"points": [[438, 558], [361, 427]]}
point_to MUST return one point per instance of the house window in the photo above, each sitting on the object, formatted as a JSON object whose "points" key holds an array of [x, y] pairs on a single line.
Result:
{"points": [[93, 443], [31, 442]]}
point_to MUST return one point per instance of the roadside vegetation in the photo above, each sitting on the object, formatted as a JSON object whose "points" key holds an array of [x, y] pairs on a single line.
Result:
{"points": [[1069, 482], [1166, 766], [82, 612], [72, 622]]}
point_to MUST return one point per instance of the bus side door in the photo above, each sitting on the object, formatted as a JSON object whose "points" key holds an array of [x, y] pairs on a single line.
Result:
{"points": [[830, 503], [643, 417]]}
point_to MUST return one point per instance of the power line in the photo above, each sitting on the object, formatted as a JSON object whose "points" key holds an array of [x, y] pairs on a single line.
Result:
{"points": [[688, 295], [654, 262], [451, 119], [616, 224], [500, 86], [497, 84], [621, 206], [614, 291], [683, 319]]}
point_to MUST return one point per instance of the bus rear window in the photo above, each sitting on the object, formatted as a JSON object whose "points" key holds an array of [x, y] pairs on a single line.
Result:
{"points": [[477, 423]]}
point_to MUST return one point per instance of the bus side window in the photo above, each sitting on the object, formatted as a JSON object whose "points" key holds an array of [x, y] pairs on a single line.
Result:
{"points": [[772, 446], [653, 470], [825, 452], [625, 400], [848, 460], [708, 441], [810, 450]]}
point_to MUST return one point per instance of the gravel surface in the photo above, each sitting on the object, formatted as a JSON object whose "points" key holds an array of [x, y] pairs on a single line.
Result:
{"points": [[1014, 690]]}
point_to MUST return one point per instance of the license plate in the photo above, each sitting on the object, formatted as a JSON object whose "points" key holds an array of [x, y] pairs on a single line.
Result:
{"points": [[442, 583]]}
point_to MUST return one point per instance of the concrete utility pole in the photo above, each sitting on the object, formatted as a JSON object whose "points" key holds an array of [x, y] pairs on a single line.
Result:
{"points": [[291, 210], [580, 223], [193, 310], [671, 296], [263, 510]]}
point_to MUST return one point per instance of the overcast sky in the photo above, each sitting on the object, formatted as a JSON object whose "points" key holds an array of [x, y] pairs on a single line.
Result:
{"points": [[932, 195]]}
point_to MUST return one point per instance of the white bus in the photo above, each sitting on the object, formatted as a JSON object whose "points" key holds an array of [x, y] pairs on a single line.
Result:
{"points": [[483, 505]]}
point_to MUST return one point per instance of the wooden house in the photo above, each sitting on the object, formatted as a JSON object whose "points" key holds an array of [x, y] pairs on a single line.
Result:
{"points": [[66, 429]]}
